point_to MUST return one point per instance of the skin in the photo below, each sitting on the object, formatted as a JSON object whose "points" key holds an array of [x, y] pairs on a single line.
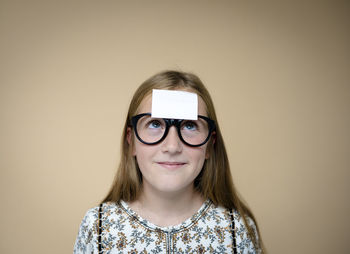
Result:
{"points": [[168, 171]]}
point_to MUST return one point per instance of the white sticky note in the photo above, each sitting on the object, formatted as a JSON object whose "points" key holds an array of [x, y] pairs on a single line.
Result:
{"points": [[174, 104]]}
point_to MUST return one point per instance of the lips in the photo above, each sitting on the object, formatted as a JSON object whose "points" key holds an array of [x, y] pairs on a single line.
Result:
{"points": [[171, 164]]}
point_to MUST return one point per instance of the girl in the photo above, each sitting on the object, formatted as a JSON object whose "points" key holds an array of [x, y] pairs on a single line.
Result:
{"points": [[173, 191]]}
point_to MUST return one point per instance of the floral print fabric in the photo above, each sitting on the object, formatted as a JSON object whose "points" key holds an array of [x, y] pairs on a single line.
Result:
{"points": [[123, 231]]}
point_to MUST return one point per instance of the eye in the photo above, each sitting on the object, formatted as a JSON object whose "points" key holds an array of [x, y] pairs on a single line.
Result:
{"points": [[154, 124], [189, 125]]}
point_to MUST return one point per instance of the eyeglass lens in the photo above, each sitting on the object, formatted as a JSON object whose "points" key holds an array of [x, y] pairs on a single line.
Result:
{"points": [[193, 132]]}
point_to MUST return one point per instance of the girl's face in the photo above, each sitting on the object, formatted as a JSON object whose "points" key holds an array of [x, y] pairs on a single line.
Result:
{"points": [[170, 166]]}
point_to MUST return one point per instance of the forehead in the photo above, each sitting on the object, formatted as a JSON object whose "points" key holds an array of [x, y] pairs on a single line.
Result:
{"points": [[146, 105]]}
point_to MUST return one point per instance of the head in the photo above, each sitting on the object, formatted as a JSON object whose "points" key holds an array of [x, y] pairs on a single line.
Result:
{"points": [[213, 169]]}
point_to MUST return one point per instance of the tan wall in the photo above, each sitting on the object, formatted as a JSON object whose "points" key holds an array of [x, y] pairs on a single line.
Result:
{"points": [[278, 73]]}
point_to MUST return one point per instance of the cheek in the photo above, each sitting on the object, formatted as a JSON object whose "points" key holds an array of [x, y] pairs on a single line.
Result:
{"points": [[205, 151], [199, 157], [141, 161], [144, 155]]}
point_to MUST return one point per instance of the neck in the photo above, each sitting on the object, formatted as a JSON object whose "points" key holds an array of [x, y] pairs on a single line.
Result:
{"points": [[167, 209]]}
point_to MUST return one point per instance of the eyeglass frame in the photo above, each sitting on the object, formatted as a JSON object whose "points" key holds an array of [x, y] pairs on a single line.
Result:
{"points": [[173, 122]]}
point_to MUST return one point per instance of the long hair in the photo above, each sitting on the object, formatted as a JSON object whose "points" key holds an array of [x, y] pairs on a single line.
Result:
{"points": [[214, 181]]}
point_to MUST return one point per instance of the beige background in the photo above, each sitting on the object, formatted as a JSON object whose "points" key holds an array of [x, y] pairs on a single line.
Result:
{"points": [[279, 77]]}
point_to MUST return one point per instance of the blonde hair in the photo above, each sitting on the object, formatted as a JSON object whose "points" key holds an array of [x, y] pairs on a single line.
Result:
{"points": [[215, 180]]}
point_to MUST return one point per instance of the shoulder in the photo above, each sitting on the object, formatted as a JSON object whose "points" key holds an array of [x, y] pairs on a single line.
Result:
{"points": [[86, 240], [243, 240], [91, 217], [232, 222]]}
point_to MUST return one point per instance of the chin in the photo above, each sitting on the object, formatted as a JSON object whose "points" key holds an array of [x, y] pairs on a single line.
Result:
{"points": [[172, 188]]}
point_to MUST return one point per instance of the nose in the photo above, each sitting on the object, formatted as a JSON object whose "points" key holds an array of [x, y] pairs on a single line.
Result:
{"points": [[172, 142]]}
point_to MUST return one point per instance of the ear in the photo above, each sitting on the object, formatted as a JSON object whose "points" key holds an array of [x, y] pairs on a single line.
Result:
{"points": [[210, 145], [213, 137], [129, 139]]}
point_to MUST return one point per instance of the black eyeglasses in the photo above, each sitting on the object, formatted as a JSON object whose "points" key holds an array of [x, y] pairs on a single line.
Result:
{"points": [[151, 131]]}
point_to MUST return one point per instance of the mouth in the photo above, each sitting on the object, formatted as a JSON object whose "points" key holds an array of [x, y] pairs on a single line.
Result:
{"points": [[171, 165]]}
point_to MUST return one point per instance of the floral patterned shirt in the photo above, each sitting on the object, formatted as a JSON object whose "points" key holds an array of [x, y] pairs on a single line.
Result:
{"points": [[123, 231]]}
